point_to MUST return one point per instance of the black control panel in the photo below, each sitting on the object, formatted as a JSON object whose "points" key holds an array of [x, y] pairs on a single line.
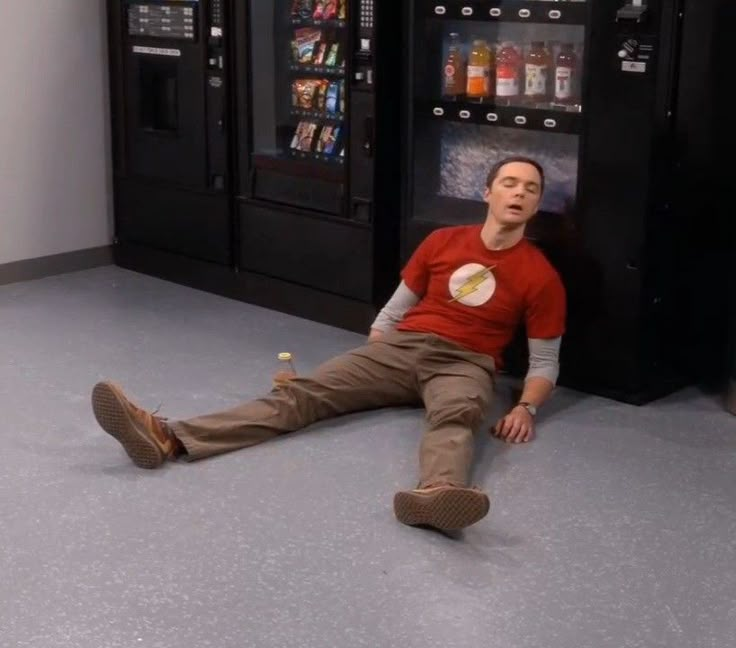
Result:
{"points": [[217, 13], [366, 14], [365, 45], [170, 21]]}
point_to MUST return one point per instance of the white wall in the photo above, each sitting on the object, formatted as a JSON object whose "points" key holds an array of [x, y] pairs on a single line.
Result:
{"points": [[55, 168]]}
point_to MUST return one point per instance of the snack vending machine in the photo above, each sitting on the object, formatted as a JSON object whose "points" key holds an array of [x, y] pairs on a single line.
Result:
{"points": [[318, 114], [604, 94]]}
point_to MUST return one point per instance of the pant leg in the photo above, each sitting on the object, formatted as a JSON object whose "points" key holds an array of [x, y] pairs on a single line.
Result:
{"points": [[379, 374], [457, 387]]}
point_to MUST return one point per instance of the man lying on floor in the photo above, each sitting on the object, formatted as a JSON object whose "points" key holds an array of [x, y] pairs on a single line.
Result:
{"points": [[439, 340]]}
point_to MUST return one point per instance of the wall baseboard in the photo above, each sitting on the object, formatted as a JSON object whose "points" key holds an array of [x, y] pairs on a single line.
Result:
{"points": [[55, 264]]}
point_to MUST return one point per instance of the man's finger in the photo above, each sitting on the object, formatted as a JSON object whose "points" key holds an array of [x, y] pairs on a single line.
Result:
{"points": [[514, 428], [519, 429], [522, 434]]}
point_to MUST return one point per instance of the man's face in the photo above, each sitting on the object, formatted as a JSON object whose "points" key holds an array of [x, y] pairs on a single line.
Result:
{"points": [[514, 195]]}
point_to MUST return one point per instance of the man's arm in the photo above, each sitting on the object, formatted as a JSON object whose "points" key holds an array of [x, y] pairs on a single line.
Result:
{"points": [[544, 368], [394, 310]]}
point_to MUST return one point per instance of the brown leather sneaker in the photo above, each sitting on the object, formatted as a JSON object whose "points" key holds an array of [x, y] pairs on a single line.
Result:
{"points": [[144, 436], [444, 507]]}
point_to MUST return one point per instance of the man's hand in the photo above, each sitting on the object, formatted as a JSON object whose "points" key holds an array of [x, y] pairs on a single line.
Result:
{"points": [[516, 427]]}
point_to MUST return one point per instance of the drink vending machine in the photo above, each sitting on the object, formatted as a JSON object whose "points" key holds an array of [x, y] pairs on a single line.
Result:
{"points": [[609, 98], [169, 70]]}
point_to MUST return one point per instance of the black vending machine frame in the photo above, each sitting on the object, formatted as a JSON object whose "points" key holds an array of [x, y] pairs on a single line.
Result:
{"points": [[172, 185], [617, 250], [321, 232]]}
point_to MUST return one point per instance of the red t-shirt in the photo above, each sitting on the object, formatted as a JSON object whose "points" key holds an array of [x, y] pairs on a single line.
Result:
{"points": [[478, 297]]}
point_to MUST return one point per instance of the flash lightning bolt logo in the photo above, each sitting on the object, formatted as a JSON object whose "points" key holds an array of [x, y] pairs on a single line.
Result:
{"points": [[472, 285]]}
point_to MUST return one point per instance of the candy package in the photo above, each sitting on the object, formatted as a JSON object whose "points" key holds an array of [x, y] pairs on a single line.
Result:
{"points": [[332, 54], [319, 57], [302, 9], [333, 100], [323, 137], [306, 137], [321, 101], [297, 135], [306, 40], [331, 140], [304, 90], [330, 10]]}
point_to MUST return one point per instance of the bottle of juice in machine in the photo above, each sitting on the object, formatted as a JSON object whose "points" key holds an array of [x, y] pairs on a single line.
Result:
{"points": [[537, 72], [508, 74], [454, 81], [480, 67], [566, 75]]}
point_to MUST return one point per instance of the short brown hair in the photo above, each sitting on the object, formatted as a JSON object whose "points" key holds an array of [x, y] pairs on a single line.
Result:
{"points": [[496, 168]]}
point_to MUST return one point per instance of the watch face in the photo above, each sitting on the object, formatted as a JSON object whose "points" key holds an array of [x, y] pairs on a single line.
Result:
{"points": [[529, 408]]}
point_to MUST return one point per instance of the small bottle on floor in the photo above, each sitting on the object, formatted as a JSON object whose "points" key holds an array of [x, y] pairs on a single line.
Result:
{"points": [[285, 370]]}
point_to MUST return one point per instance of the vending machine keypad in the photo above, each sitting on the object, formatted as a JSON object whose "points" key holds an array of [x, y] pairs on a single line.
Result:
{"points": [[216, 13], [366, 14]]}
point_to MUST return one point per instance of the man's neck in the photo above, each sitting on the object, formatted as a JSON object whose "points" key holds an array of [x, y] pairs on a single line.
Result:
{"points": [[497, 237]]}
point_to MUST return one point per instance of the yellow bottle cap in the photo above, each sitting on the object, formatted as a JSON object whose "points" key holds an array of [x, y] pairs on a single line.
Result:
{"points": [[285, 356]]}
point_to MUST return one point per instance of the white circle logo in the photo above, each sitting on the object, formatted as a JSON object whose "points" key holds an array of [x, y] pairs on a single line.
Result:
{"points": [[472, 285]]}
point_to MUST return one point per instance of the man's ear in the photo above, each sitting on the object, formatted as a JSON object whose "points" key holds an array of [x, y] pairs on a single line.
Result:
{"points": [[486, 194]]}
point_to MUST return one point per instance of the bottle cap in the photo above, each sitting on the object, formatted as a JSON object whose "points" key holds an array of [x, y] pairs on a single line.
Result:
{"points": [[285, 356]]}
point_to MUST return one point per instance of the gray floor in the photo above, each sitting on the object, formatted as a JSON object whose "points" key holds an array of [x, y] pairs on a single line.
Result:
{"points": [[616, 528]]}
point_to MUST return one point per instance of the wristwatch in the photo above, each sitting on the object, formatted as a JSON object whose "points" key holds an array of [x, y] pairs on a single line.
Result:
{"points": [[529, 407]]}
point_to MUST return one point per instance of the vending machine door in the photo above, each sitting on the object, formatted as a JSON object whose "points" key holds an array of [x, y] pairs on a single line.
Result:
{"points": [[587, 89], [295, 126], [490, 80], [175, 92]]}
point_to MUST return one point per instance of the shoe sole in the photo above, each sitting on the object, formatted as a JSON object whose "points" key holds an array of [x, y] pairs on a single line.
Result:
{"points": [[448, 510], [111, 413]]}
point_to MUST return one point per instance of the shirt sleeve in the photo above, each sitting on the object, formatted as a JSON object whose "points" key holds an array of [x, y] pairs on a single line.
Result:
{"points": [[395, 309], [416, 272], [547, 309], [544, 359]]}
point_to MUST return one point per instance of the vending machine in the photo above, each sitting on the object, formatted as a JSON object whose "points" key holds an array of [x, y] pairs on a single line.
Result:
{"points": [[612, 98], [318, 110], [170, 98]]}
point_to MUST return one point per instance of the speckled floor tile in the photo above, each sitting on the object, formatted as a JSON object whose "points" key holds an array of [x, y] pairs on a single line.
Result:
{"points": [[616, 528]]}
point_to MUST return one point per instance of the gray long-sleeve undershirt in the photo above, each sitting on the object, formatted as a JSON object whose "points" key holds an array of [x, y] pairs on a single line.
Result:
{"points": [[544, 355]]}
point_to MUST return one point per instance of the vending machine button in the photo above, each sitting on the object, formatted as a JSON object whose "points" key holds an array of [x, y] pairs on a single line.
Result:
{"points": [[440, 10], [439, 112], [492, 117], [495, 12], [467, 11], [555, 14], [524, 13], [623, 54], [464, 114], [550, 123], [520, 120]]}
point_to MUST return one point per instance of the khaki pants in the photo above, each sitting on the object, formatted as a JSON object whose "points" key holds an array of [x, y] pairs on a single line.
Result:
{"points": [[455, 385]]}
